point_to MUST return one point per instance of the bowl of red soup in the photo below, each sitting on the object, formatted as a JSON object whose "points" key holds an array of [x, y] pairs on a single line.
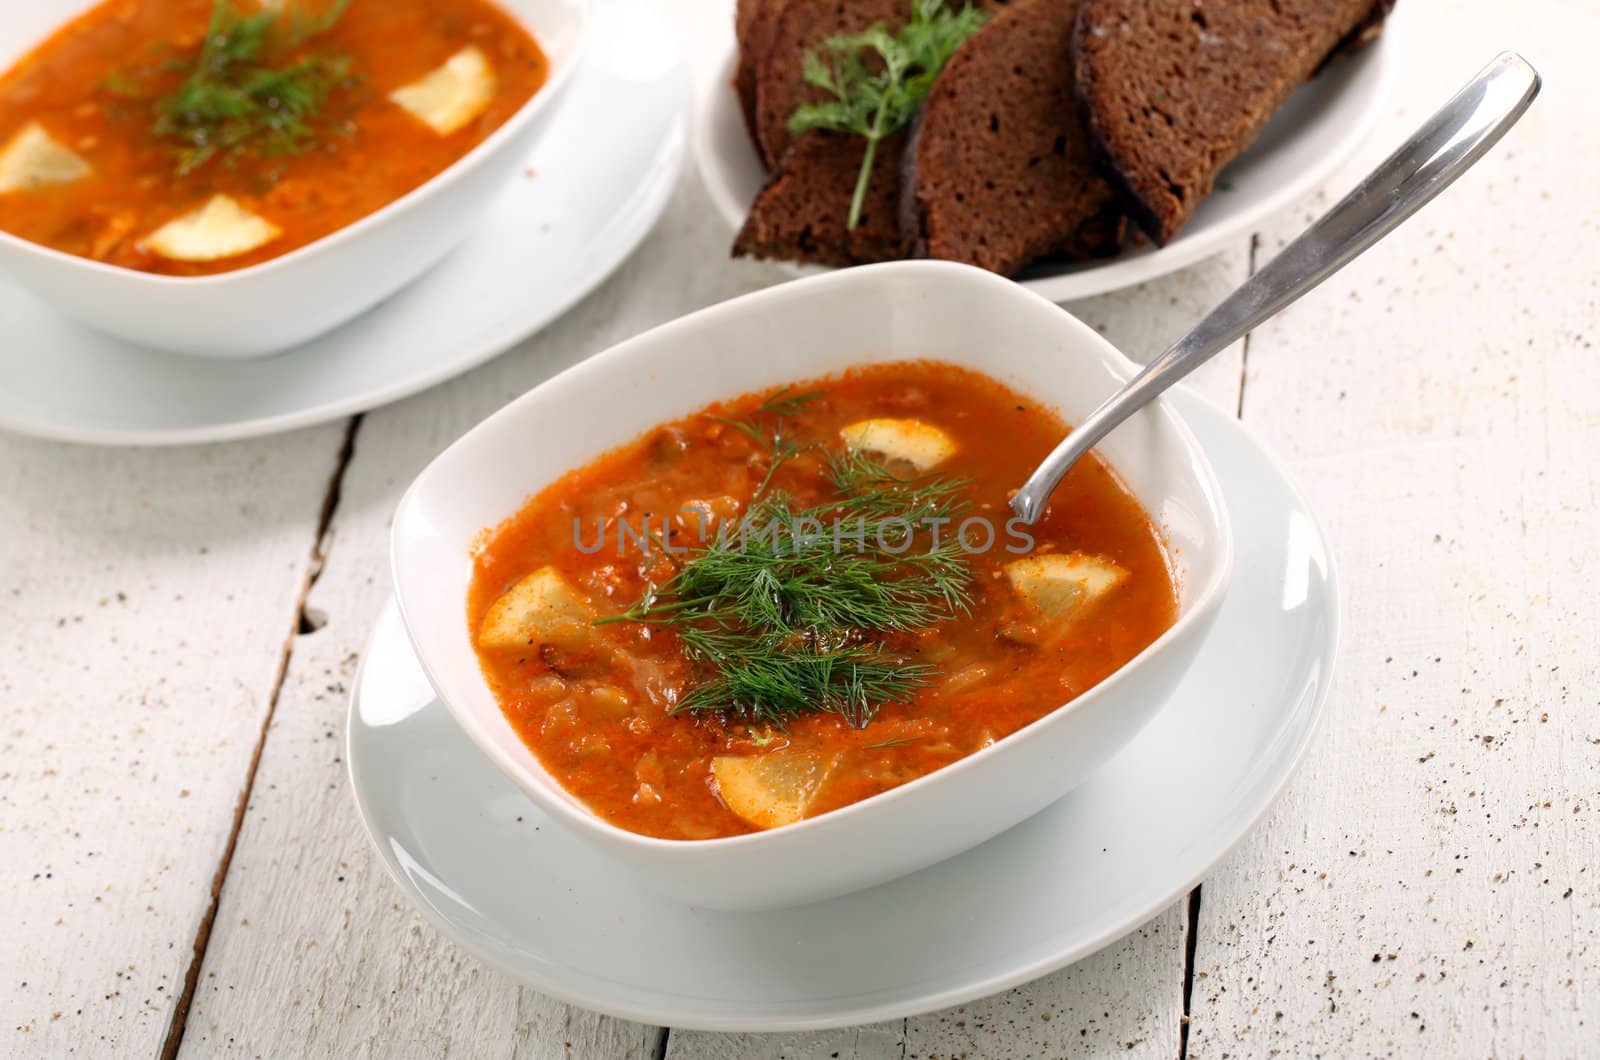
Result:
{"points": [[742, 603], [233, 177]]}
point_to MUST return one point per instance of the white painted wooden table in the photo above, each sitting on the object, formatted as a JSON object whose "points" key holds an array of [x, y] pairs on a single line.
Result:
{"points": [[179, 854]]}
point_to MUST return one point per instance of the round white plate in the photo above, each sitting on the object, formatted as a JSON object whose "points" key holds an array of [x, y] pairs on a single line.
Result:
{"points": [[593, 189], [517, 890], [1317, 129]]}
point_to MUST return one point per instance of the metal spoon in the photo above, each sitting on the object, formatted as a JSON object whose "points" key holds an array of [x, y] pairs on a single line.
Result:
{"points": [[1445, 147]]}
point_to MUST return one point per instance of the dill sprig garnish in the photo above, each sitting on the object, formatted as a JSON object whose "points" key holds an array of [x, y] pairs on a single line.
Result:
{"points": [[234, 99], [876, 98], [774, 437], [785, 402], [852, 682], [898, 741], [786, 611], [874, 489]]}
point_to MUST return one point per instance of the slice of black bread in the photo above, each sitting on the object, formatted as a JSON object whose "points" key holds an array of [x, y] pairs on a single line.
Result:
{"points": [[1174, 90], [999, 171], [796, 28], [752, 30], [800, 214], [1367, 30]]}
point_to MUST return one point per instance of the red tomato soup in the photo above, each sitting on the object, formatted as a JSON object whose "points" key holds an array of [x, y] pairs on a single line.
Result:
{"points": [[688, 671], [298, 116]]}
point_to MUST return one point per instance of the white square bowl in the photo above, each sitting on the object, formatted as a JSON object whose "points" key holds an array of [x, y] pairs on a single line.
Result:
{"points": [[798, 331], [292, 299]]}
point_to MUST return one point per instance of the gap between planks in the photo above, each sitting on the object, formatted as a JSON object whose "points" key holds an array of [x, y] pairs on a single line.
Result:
{"points": [[1191, 944], [297, 626]]}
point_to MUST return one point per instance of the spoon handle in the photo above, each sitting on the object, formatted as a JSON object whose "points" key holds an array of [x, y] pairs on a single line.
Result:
{"points": [[1439, 152]]}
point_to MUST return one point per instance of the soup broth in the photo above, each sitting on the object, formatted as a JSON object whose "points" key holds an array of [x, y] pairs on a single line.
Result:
{"points": [[126, 99], [592, 621]]}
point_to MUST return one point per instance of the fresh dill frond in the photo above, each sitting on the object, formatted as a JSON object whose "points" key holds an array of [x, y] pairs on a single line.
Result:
{"points": [[786, 570], [779, 404], [303, 24], [874, 489], [774, 437], [785, 620], [879, 79], [239, 95], [786, 402], [121, 86], [784, 449], [898, 741], [853, 683]]}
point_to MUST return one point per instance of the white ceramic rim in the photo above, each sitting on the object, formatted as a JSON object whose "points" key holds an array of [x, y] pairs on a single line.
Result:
{"points": [[563, 806], [1269, 790], [718, 101], [540, 100]]}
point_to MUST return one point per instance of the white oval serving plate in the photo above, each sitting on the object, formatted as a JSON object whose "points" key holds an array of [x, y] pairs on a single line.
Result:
{"points": [[582, 206], [1318, 129], [518, 890]]}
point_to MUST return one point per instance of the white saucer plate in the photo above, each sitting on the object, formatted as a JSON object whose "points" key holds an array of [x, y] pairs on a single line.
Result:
{"points": [[1316, 130], [591, 192], [520, 892]]}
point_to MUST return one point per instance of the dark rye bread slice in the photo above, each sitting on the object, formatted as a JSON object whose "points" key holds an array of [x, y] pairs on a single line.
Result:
{"points": [[999, 171], [800, 214], [1174, 90], [1367, 30], [796, 28], [752, 30]]}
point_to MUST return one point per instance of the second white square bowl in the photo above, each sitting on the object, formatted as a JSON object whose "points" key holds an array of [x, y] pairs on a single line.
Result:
{"points": [[291, 299]]}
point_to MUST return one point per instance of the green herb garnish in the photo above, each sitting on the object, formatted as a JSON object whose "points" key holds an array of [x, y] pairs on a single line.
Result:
{"points": [[876, 98], [785, 402], [121, 86], [875, 490], [898, 741], [236, 99], [786, 609], [774, 435]]}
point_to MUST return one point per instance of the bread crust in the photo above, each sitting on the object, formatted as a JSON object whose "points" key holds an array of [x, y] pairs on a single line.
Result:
{"points": [[1161, 131], [800, 214], [798, 27], [752, 30], [999, 171]]}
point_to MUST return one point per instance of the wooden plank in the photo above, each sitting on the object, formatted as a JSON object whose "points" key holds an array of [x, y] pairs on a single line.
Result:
{"points": [[1127, 999], [1428, 884], [873, 1041], [145, 597]]}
